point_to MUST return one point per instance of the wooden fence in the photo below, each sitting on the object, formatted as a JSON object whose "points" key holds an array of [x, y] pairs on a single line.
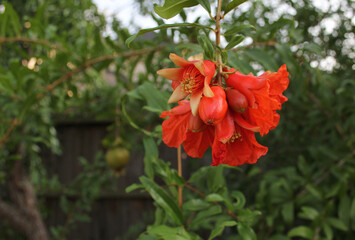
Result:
{"points": [[113, 213]]}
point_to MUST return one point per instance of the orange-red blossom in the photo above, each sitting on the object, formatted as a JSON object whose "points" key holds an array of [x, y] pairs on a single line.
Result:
{"points": [[224, 118]]}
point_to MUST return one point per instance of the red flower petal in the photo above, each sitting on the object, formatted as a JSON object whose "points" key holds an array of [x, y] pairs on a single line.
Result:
{"points": [[225, 129], [264, 94], [197, 143], [243, 123], [174, 129], [241, 151]]}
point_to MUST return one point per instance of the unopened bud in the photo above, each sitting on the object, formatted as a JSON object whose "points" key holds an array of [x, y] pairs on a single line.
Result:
{"points": [[213, 109], [236, 100]]}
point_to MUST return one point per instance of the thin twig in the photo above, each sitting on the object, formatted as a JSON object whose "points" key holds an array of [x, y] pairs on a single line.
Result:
{"points": [[218, 42], [117, 121], [180, 174], [91, 62], [30, 40], [8, 132]]}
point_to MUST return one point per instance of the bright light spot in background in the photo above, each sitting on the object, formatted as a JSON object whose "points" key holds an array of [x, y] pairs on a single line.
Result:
{"points": [[31, 63], [329, 24], [327, 6], [2, 9], [327, 63], [27, 24]]}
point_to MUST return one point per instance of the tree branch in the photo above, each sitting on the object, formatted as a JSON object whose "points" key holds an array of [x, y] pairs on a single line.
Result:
{"points": [[218, 42], [14, 217], [14, 123], [91, 62], [29, 40]]}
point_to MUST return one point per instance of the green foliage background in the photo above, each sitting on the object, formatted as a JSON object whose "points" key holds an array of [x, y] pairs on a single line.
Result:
{"points": [[302, 189]]}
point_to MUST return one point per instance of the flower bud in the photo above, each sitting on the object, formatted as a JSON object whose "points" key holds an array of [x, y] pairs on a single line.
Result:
{"points": [[213, 109], [236, 100]]}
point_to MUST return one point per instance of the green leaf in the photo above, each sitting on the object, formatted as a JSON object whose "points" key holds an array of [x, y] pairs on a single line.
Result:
{"points": [[205, 4], [215, 178], [301, 231], [277, 25], [240, 64], [214, 197], [224, 56], [337, 224], [172, 7], [206, 45], [204, 216], [239, 28], [189, 46], [131, 122], [163, 199], [239, 196], [263, 58], [177, 179], [246, 232], [327, 230], [343, 211], [14, 18], [287, 212], [233, 4], [5, 83], [220, 227], [309, 213], [352, 211], [196, 204], [156, 99], [150, 155], [145, 236], [164, 26], [167, 233], [235, 41], [313, 47], [133, 187], [333, 190], [314, 191], [3, 21]]}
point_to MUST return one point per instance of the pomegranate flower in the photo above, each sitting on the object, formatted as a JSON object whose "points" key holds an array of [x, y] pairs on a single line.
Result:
{"points": [[192, 78], [224, 118], [183, 127], [233, 144], [264, 97]]}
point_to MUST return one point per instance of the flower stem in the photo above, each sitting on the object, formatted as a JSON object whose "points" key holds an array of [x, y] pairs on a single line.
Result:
{"points": [[218, 42], [180, 174]]}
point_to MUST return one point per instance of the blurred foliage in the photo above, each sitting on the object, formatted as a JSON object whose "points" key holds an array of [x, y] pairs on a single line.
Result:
{"points": [[303, 188], [57, 65]]}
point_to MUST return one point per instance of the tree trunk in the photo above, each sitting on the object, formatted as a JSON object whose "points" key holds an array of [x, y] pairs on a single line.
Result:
{"points": [[23, 214]]}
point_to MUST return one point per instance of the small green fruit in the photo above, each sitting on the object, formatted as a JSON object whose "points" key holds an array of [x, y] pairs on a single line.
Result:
{"points": [[117, 158]]}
